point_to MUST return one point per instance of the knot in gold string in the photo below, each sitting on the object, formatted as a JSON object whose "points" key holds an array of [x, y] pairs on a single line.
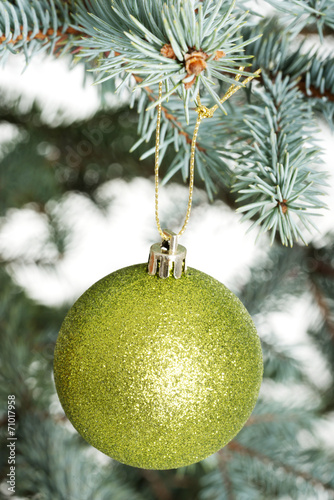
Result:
{"points": [[203, 112]]}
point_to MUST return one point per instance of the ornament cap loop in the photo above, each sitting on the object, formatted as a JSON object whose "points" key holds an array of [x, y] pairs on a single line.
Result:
{"points": [[167, 258]]}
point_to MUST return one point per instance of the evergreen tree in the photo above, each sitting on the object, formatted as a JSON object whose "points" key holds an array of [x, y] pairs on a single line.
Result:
{"points": [[262, 160]]}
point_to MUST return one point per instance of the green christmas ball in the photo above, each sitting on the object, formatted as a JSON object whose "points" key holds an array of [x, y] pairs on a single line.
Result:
{"points": [[158, 373]]}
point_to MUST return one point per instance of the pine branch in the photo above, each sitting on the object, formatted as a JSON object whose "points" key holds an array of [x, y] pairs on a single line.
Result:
{"points": [[297, 14], [81, 156], [278, 177], [22, 329], [268, 460], [191, 46], [319, 86], [279, 363], [310, 90], [54, 465], [44, 37], [313, 73], [281, 162], [173, 42], [35, 26], [265, 459], [277, 281], [213, 170]]}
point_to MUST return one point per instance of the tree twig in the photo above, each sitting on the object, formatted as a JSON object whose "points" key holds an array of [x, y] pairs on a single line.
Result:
{"points": [[44, 36], [265, 459]]}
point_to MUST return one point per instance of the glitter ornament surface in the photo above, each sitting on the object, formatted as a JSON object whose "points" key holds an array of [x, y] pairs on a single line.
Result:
{"points": [[155, 373]]}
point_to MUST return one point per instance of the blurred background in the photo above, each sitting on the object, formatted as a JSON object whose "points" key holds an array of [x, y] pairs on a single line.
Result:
{"points": [[75, 206]]}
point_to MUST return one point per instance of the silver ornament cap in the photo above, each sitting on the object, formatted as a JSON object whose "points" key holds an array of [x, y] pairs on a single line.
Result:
{"points": [[167, 258]]}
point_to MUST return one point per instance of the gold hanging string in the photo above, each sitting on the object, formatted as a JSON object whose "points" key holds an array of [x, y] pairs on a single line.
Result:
{"points": [[202, 112]]}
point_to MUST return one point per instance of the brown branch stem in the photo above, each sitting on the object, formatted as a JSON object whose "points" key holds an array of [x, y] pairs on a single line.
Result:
{"points": [[169, 116], [324, 308], [315, 92], [43, 36], [265, 459]]}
